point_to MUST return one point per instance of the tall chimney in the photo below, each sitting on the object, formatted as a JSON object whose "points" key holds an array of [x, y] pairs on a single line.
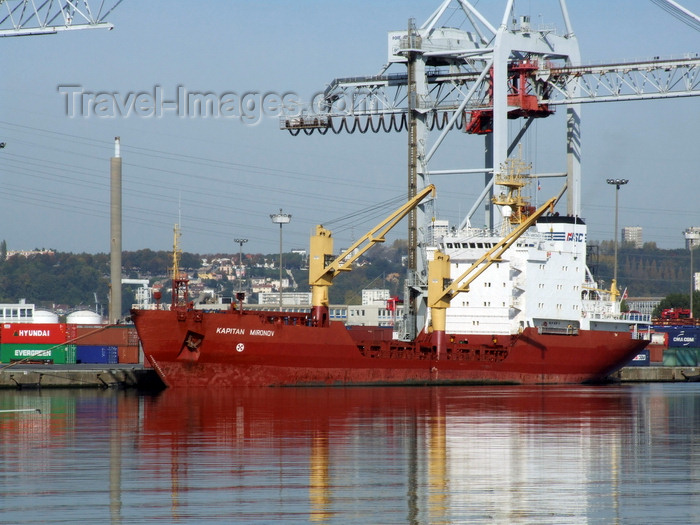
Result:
{"points": [[115, 296]]}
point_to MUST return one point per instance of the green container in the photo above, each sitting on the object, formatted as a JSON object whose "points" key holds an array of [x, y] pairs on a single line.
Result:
{"points": [[687, 356], [670, 357], [70, 354], [681, 357], [33, 353]]}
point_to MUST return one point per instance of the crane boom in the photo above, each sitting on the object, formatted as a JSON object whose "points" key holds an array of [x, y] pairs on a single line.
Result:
{"points": [[29, 18], [323, 269]]}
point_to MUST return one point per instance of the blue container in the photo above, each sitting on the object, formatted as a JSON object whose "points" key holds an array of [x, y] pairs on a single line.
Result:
{"points": [[108, 355], [641, 359], [686, 337], [680, 336]]}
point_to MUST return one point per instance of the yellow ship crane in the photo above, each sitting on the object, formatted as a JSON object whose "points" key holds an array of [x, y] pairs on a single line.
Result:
{"points": [[441, 289], [323, 268]]}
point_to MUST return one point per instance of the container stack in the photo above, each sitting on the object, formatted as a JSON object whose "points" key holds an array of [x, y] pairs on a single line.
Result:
{"points": [[65, 343], [671, 345], [107, 344], [35, 343]]}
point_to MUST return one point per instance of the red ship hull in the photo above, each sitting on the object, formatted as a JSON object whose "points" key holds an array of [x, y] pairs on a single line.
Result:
{"points": [[249, 348]]}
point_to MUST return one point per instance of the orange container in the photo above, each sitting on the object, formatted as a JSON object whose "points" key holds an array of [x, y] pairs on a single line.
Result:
{"points": [[99, 335], [128, 354], [656, 353]]}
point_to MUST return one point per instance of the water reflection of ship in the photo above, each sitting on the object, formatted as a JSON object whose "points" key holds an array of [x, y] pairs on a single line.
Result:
{"points": [[445, 440]]}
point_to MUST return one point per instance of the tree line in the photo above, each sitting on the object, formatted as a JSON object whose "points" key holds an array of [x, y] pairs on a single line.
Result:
{"points": [[82, 280]]}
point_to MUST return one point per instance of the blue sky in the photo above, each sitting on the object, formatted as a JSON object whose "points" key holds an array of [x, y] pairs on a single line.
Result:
{"points": [[221, 178]]}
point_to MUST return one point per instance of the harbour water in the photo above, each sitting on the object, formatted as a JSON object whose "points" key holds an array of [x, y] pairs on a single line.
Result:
{"points": [[625, 453]]}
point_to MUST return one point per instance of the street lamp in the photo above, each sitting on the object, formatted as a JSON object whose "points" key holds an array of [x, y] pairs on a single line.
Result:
{"points": [[240, 242], [281, 218], [617, 183], [692, 236]]}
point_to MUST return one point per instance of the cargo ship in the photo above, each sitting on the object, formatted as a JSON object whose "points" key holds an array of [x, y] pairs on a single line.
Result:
{"points": [[504, 303], [525, 311]]}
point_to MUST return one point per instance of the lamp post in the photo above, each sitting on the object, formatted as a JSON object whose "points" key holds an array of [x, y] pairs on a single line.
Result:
{"points": [[617, 183], [240, 242], [692, 279], [281, 218], [692, 236]]}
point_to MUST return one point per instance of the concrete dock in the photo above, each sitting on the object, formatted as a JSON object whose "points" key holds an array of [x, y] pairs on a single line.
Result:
{"points": [[139, 377], [79, 376], [655, 374]]}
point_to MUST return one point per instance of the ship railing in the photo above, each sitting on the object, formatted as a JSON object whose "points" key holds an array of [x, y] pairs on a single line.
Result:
{"points": [[637, 317], [629, 317], [150, 306], [644, 335], [469, 233]]}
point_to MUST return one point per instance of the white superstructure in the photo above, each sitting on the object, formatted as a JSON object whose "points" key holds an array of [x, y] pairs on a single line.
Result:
{"points": [[541, 281]]}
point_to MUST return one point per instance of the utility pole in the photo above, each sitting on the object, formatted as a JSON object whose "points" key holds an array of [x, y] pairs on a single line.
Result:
{"points": [[281, 218], [617, 183]]}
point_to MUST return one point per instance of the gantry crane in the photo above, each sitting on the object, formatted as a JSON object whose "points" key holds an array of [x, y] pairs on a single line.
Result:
{"points": [[47, 17], [475, 80]]}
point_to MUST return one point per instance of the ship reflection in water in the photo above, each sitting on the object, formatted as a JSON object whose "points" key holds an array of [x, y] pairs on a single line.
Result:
{"points": [[564, 454]]}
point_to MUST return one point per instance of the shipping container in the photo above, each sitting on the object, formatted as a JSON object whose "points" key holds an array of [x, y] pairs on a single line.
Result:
{"points": [[33, 333], [656, 354], [680, 336], [102, 335], [681, 357], [37, 353], [128, 354], [688, 337], [98, 354], [659, 339], [641, 359]]}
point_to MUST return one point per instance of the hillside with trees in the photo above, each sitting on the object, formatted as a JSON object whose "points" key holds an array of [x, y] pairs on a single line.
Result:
{"points": [[645, 272], [82, 280]]}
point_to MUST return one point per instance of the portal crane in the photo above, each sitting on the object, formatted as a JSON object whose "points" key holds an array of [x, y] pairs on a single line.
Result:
{"points": [[475, 81], [143, 292], [28, 17]]}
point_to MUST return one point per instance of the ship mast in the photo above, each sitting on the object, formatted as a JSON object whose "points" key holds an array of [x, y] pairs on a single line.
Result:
{"points": [[180, 281], [513, 177]]}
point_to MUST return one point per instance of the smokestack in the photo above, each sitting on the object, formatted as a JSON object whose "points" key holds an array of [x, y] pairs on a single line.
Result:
{"points": [[115, 296]]}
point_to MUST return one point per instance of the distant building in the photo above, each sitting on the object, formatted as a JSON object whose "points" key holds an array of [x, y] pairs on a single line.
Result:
{"points": [[375, 296], [28, 253], [288, 298], [438, 229], [633, 234], [643, 305], [17, 312]]}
